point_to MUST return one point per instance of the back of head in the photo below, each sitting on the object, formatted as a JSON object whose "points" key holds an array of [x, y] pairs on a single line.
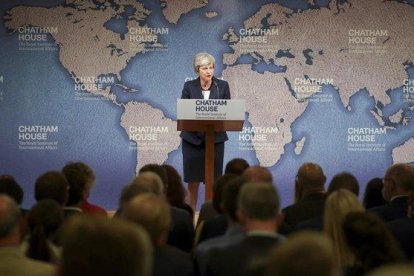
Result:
{"points": [[44, 220], [304, 253], [175, 190], [259, 201], [346, 181], [47, 213], [158, 170], [258, 174], [153, 213], [156, 184], [218, 187], [9, 217], [230, 195], [101, 246], [236, 166], [337, 206], [311, 178], [373, 194], [403, 176], [80, 178], [10, 187], [371, 241], [147, 182], [53, 185]]}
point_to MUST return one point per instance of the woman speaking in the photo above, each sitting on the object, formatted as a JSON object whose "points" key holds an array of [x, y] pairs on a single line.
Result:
{"points": [[206, 86]]}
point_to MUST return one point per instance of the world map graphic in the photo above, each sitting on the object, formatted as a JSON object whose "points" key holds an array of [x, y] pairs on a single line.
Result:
{"points": [[330, 82]]}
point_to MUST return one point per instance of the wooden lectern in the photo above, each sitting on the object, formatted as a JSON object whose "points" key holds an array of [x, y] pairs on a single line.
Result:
{"points": [[210, 127]]}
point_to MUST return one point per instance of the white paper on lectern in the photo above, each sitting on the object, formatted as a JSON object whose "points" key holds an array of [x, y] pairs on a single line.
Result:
{"points": [[188, 109]]}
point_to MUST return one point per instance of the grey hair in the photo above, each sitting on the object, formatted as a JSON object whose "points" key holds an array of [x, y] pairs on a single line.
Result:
{"points": [[259, 201], [203, 59]]}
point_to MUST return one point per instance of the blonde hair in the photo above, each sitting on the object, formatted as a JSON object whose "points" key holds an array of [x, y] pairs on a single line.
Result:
{"points": [[203, 59], [337, 206]]}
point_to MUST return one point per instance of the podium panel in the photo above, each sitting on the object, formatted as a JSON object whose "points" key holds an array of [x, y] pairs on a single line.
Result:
{"points": [[210, 116]]}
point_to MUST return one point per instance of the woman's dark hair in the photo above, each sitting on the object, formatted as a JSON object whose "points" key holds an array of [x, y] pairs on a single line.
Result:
{"points": [[218, 190], [373, 194], [370, 240], [175, 190], [44, 219], [10, 187]]}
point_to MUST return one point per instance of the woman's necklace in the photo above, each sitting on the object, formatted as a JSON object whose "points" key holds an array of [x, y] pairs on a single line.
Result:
{"points": [[205, 86]]}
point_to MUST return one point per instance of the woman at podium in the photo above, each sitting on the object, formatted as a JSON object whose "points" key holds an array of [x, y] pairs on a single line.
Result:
{"points": [[206, 86]]}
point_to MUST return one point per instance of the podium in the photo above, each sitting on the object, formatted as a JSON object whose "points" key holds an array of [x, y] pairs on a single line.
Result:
{"points": [[210, 116]]}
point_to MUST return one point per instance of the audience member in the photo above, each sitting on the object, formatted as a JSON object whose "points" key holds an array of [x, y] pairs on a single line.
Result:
{"points": [[217, 225], [236, 166], [338, 205], [309, 193], [152, 212], [258, 174], [370, 241], [81, 179], [13, 262], [175, 190], [258, 209], [211, 209], [10, 187], [52, 185], [158, 170], [403, 228], [234, 232], [373, 194], [105, 247], [342, 180], [397, 181], [44, 220], [303, 254], [181, 233]]}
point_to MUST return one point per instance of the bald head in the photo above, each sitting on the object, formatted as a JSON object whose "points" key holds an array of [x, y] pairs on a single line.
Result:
{"points": [[258, 174]]}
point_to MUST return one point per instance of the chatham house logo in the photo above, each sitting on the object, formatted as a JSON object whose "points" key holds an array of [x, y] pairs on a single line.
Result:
{"points": [[37, 137]]}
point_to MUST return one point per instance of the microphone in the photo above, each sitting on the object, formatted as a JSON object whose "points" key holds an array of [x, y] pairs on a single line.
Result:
{"points": [[218, 91]]}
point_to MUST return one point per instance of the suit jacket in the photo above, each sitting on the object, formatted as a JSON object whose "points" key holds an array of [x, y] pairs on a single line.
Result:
{"points": [[181, 232], [214, 227], [403, 231], [234, 234], [13, 262], [309, 207], [396, 209], [171, 261], [241, 258], [192, 90]]}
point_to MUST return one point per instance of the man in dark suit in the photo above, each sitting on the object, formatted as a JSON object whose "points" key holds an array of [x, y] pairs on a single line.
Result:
{"points": [[258, 209], [344, 180], [309, 194], [396, 188], [403, 228]]}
